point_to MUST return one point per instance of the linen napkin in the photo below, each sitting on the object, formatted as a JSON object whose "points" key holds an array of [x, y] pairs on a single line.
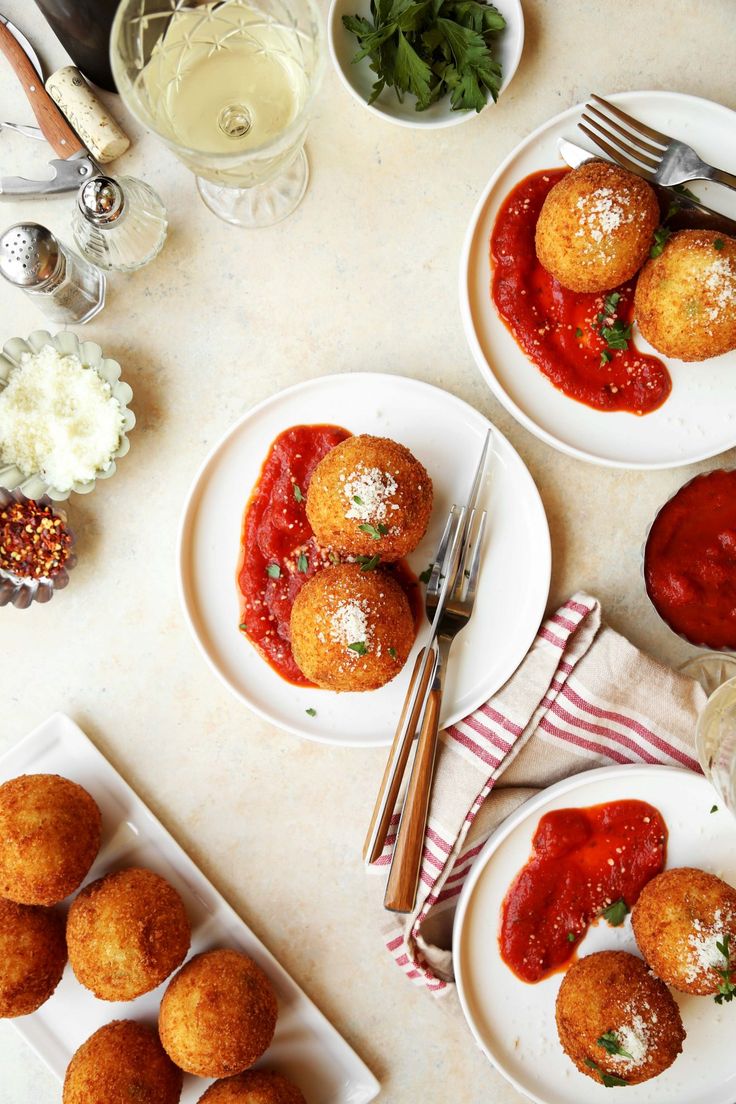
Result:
{"points": [[583, 697]]}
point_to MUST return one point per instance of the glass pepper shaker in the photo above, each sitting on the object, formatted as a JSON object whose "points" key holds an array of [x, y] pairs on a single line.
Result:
{"points": [[119, 224], [66, 287]]}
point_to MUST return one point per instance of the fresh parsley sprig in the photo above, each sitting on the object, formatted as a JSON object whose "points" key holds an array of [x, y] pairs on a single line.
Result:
{"points": [[430, 49], [615, 913], [726, 988], [611, 1044], [610, 1080]]}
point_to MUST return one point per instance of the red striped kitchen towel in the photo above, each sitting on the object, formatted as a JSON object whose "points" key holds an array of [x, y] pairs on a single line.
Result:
{"points": [[583, 697]]}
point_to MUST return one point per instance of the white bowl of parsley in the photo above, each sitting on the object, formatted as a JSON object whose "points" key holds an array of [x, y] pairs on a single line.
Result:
{"points": [[425, 63]]}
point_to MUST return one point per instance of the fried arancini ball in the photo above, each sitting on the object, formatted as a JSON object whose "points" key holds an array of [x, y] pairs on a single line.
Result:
{"points": [[49, 837], [678, 919], [122, 1063], [595, 228], [351, 629], [218, 1014], [254, 1087], [126, 932], [609, 1001], [685, 299], [369, 496], [32, 956]]}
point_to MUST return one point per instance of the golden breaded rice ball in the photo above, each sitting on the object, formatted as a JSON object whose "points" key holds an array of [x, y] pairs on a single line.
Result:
{"points": [[685, 299], [32, 956], [126, 933], [369, 496], [49, 837], [595, 228], [351, 629], [254, 1087], [122, 1063], [218, 1014], [608, 1003], [679, 919]]}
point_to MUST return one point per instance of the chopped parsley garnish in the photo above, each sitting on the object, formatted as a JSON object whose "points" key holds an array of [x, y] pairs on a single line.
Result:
{"points": [[358, 499], [616, 336], [369, 563], [609, 1079], [605, 357], [615, 913], [726, 987], [374, 531], [578, 332], [302, 564], [392, 653], [682, 190], [431, 48], [661, 234], [311, 712], [614, 331], [610, 303], [298, 493], [273, 571], [571, 937], [611, 1045], [426, 575], [714, 808], [359, 647], [718, 244], [243, 626], [334, 558]]}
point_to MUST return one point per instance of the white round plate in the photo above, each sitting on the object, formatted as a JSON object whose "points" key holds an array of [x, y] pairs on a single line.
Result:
{"points": [[359, 79], [447, 436], [514, 1023], [697, 420]]}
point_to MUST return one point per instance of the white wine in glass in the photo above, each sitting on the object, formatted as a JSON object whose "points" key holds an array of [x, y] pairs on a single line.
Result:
{"points": [[229, 86]]}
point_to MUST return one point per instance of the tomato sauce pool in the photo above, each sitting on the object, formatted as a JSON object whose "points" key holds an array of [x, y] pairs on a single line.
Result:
{"points": [[690, 561], [584, 863], [559, 329], [279, 553]]}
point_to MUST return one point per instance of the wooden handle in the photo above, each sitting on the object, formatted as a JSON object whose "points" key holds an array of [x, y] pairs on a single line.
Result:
{"points": [[60, 136], [396, 764], [403, 879]]}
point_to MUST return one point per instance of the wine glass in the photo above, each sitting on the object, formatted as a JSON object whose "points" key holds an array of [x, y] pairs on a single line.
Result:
{"points": [[229, 86], [715, 732]]}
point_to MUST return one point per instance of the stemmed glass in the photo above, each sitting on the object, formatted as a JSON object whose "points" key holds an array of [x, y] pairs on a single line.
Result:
{"points": [[229, 85]]}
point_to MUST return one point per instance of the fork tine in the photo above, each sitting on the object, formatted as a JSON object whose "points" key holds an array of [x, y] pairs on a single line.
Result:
{"points": [[632, 138], [627, 148], [616, 155], [634, 124], [473, 571], [478, 477], [435, 578]]}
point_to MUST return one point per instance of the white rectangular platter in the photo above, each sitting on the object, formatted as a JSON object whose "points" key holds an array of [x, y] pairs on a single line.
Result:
{"points": [[306, 1047]]}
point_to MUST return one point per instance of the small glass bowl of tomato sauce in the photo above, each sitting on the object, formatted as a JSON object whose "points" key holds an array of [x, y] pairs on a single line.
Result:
{"points": [[690, 561]]}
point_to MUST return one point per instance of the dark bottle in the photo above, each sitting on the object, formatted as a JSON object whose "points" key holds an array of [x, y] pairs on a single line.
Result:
{"points": [[83, 28]]}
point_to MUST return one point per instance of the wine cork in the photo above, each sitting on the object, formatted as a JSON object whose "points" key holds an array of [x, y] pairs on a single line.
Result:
{"points": [[90, 118]]}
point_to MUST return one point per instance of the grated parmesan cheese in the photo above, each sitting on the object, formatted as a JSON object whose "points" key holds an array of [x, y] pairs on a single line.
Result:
{"points": [[368, 491], [58, 418], [349, 624], [721, 283], [704, 954], [601, 213], [634, 1038]]}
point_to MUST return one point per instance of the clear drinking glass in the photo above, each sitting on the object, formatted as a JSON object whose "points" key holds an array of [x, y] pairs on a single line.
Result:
{"points": [[229, 86], [715, 732]]}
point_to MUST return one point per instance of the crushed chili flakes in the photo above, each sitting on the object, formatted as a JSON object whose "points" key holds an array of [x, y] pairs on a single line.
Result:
{"points": [[34, 541]]}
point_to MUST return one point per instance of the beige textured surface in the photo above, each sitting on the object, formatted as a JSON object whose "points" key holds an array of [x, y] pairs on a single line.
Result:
{"points": [[362, 277]]}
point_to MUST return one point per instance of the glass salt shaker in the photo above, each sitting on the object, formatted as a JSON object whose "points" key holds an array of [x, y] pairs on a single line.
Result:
{"points": [[119, 224], [66, 288]]}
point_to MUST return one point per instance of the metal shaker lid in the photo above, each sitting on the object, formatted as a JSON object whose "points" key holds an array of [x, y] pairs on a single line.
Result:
{"points": [[29, 254], [101, 200]]}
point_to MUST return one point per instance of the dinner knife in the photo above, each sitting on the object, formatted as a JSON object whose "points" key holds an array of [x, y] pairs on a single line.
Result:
{"points": [[74, 163], [574, 156]]}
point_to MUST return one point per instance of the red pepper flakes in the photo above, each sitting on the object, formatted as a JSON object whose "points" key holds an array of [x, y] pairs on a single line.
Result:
{"points": [[34, 541]]}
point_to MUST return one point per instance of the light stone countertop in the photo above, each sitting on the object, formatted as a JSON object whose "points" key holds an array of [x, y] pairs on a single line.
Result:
{"points": [[362, 277]]}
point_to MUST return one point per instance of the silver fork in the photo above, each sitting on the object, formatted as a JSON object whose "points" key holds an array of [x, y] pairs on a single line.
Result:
{"points": [[403, 879], [643, 150]]}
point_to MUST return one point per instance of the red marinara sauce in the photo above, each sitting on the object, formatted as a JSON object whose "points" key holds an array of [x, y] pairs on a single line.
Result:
{"points": [[279, 552], [690, 561], [583, 860], [559, 329]]}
